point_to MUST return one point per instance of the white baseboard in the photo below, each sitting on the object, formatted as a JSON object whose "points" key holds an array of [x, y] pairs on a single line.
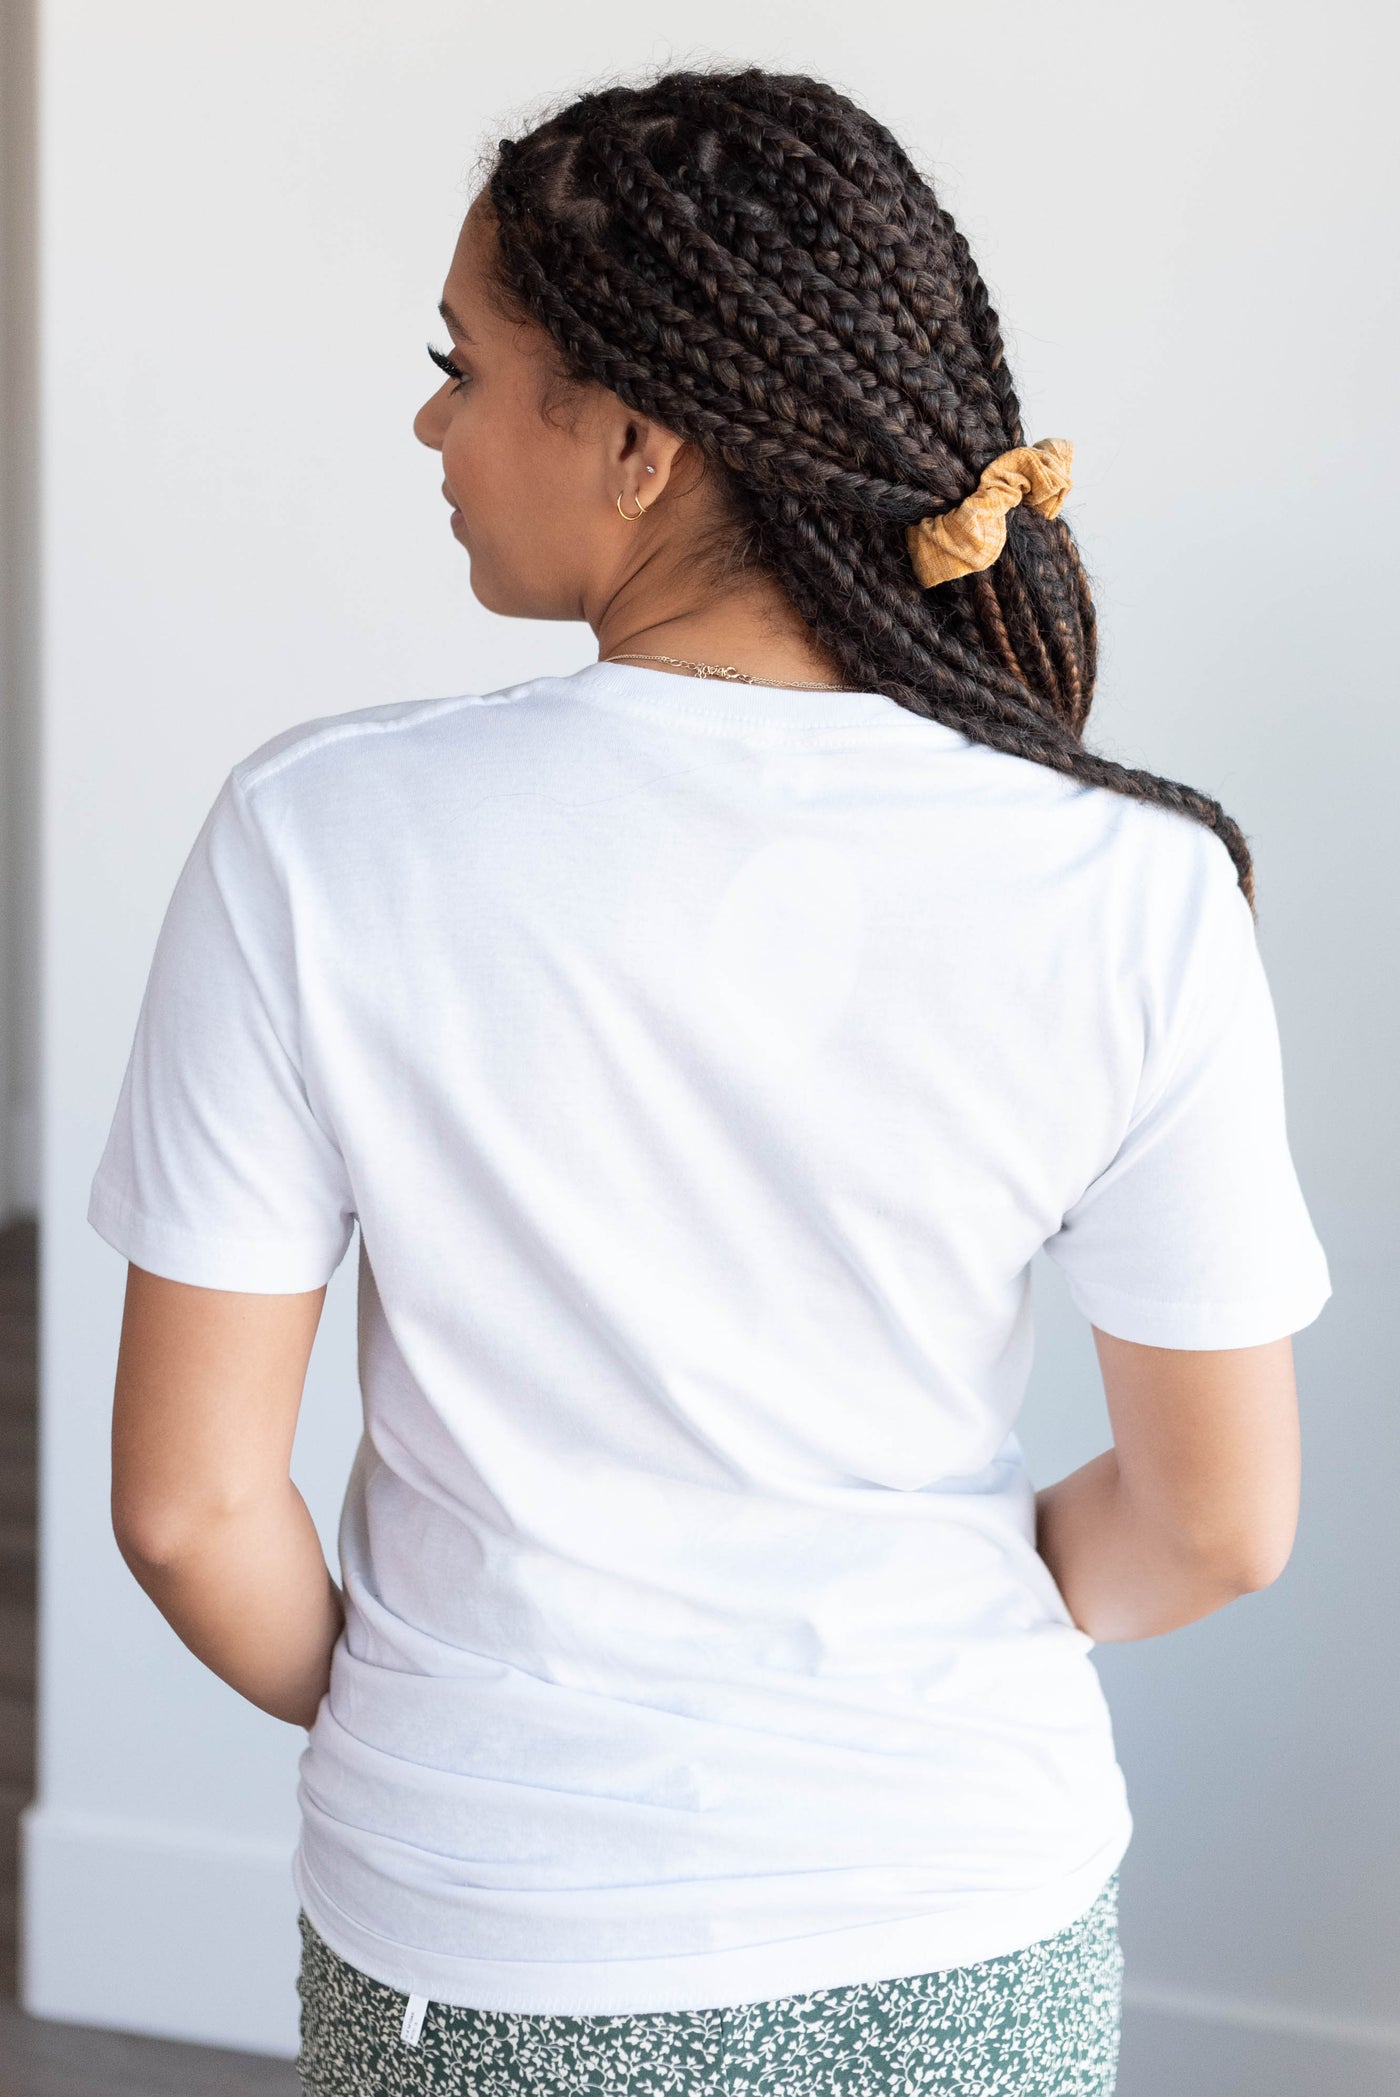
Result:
{"points": [[131, 1928], [1218, 2046], [1275, 2018]]}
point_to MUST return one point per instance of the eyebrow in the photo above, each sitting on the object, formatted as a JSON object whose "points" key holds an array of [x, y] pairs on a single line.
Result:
{"points": [[452, 321]]}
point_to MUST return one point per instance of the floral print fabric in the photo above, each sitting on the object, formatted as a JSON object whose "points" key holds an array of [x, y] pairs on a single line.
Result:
{"points": [[1040, 2022]]}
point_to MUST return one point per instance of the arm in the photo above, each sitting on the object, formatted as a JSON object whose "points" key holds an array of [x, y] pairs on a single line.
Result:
{"points": [[1197, 1500], [209, 1384]]}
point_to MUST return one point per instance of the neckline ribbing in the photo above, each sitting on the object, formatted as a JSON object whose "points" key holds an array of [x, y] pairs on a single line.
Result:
{"points": [[715, 703]]}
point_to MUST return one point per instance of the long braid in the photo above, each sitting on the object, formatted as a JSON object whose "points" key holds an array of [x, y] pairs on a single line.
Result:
{"points": [[754, 261]]}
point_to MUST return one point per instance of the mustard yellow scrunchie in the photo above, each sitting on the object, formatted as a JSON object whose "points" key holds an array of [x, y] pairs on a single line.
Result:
{"points": [[971, 536]]}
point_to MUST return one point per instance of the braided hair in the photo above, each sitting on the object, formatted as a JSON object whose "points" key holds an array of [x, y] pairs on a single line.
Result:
{"points": [[753, 261]]}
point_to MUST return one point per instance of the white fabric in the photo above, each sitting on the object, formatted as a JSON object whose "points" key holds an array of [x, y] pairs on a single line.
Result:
{"points": [[704, 1065]]}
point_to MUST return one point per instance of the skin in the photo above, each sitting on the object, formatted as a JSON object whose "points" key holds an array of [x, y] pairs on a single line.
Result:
{"points": [[1195, 1503]]}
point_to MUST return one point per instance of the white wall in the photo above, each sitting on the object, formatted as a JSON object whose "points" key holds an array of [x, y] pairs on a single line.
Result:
{"points": [[19, 844], [247, 213]]}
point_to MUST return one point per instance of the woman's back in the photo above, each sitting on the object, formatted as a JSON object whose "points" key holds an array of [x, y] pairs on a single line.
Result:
{"points": [[704, 1065]]}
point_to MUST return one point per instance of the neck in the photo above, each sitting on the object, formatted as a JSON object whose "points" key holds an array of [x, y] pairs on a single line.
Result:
{"points": [[756, 629]]}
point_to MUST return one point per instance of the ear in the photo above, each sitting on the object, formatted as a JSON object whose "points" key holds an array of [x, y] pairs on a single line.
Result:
{"points": [[646, 458]]}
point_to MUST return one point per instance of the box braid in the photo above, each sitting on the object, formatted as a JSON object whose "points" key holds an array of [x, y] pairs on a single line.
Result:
{"points": [[752, 260]]}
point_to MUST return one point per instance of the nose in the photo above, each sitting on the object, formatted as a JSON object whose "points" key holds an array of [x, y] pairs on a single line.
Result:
{"points": [[427, 426]]}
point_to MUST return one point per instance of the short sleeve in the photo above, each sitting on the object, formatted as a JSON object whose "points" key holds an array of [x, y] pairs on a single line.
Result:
{"points": [[1197, 1234], [217, 1170]]}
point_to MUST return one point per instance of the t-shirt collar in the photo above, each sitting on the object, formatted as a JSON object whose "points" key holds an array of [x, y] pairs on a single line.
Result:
{"points": [[642, 688]]}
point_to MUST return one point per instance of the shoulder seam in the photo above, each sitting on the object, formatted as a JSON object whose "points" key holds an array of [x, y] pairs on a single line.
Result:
{"points": [[1199, 991], [341, 731]]}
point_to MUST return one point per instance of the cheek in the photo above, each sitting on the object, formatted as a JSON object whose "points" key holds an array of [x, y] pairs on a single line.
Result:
{"points": [[470, 456], [520, 484], [498, 464]]}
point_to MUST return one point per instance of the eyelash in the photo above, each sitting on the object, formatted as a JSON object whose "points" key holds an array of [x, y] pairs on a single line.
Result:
{"points": [[445, 363]]}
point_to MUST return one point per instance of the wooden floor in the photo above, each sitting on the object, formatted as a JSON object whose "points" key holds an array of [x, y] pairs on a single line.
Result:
{"points": [[18, 1435], [39, 2059]]}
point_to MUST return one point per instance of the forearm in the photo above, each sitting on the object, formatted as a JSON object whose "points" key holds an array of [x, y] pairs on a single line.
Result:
{"points": [[250, 1594], [1121, 1577]]}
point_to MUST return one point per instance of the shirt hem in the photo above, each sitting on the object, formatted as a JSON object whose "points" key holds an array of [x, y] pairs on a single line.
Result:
{"points": [[996, 1927], [261, 1266], [1160, 1323]]}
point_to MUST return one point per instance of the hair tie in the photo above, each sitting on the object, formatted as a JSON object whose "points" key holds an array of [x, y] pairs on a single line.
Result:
{"points": [[970, 536]]}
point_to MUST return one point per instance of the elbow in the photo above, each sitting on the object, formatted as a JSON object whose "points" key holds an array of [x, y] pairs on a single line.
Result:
{"points": [[157, 1537], [1239, 1561], [151, 1540], [160, 1534], [1262, 1568], [1253, 1563]]}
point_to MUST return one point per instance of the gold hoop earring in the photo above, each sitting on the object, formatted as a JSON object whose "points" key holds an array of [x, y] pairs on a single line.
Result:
{"points": [[626, 515]]}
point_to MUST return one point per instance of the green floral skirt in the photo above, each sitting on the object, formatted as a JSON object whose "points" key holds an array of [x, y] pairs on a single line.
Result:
{"points": [[1041, 2022]]}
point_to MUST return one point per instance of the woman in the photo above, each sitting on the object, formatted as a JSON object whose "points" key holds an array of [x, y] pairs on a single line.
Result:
{"points": [[706, 1042]]}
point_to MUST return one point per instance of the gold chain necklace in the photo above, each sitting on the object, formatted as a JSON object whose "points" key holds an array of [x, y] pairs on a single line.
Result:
{"points": [[727, 671]]}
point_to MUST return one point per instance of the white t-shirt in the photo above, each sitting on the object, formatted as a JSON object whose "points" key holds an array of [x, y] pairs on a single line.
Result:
{"points": [[704, 1065]]}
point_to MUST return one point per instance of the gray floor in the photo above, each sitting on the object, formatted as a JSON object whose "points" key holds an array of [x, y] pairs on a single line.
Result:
{"points": [[39, 2059]]}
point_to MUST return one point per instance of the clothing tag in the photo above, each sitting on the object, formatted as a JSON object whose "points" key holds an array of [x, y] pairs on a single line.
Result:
{"points": [[413, 2018]]}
